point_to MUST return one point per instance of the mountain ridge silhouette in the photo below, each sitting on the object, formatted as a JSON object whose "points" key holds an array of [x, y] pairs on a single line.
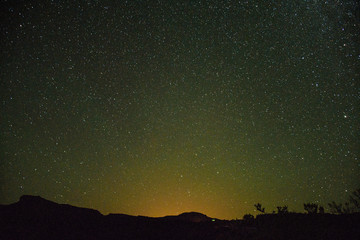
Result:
{"points": [[34, 217], [31, 200]]}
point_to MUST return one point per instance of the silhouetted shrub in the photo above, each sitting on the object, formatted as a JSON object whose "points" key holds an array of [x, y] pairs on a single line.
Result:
{"points": [[282, 209], [311, 208], [259, 208], [355, 200], [335, 208], [248, 219], [352, 206]]}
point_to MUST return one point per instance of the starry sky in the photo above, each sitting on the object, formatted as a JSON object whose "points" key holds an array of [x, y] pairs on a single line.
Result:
{"points": [[161, 107]]}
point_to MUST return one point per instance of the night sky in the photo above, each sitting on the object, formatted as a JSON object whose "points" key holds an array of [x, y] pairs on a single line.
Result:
{"points": [[161, 107]]}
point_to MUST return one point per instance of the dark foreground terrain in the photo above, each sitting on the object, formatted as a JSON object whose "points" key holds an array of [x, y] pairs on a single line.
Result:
{"points": [[36, 218]]}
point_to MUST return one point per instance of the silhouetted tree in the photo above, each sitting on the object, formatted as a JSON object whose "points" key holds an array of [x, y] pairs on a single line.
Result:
{"points": [[335, 208], [282, 209], [355, 200], [349, 207], [259, 208], [311, 208], [321, 210]]}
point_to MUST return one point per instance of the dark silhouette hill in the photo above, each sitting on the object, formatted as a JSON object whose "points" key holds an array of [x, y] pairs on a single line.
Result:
{"points": [[191, 217], [36, 218]]}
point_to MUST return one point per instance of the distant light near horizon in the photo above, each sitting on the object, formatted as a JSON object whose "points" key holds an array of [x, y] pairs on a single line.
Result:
{"points": [[158, 108]]}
